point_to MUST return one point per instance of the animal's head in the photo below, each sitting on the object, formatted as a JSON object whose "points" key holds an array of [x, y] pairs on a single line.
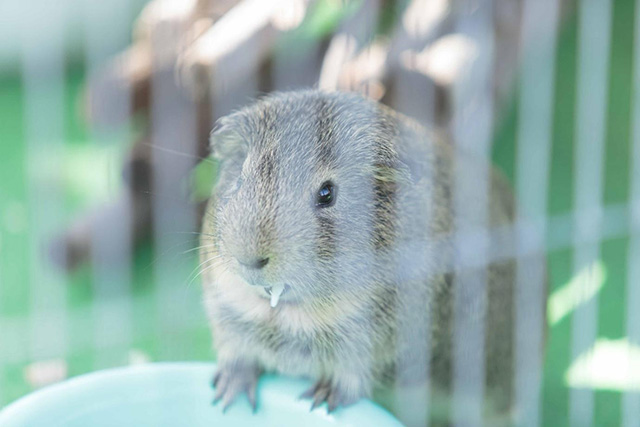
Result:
{"points": [[305, 193]]}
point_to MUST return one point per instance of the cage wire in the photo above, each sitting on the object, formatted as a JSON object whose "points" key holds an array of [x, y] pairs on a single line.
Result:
{"points": [[107, 109]]}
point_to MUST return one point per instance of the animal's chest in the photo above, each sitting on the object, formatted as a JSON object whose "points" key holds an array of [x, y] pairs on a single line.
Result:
{"points": [[271, 338], [287, 350]]}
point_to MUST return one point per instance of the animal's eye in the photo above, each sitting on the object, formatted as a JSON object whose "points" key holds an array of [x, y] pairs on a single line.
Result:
{"points": [[326, 195]]}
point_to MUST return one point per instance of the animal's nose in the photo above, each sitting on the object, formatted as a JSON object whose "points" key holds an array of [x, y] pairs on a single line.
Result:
{"points": [[255, 263]]}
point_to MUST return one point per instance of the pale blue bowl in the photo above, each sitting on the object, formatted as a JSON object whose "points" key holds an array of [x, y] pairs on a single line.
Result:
{"points": [[176, 394]]}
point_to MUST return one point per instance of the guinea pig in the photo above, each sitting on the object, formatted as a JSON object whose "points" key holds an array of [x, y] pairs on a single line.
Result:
{"points": [[327, 252]]}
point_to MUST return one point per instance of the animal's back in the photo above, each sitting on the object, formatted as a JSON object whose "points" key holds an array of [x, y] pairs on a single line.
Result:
{"points": [[427, 253]]}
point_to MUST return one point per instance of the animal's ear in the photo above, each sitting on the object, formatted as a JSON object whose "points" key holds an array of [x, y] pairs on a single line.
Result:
{"points": [[393, 175], [390, 169], [226, 142]]}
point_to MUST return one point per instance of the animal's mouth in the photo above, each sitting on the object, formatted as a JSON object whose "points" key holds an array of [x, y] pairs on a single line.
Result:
{"points": [[275, 292]]}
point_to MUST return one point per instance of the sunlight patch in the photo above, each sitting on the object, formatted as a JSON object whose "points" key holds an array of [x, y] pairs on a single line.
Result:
{"points": [[580, 289], [609, 365], [45, 372]]}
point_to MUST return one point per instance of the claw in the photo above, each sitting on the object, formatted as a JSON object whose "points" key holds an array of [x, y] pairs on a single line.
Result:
{"points": [[216, 378], [251, 394], [227, 404], [233, 380], [320, 397], [332, 404], [323, 391], [318, 393], [310, 392], [217, 397], [220, 389]]}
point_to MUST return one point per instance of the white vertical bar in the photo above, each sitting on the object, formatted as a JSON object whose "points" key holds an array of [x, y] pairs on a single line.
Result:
{"points": [[414, 341], [593, 62], [472, 129], [106, 32], [414, 96], [111, 254], [631, 399], [43, 79], [228, 94], [539, 34], [355, 32], [174, 140]]}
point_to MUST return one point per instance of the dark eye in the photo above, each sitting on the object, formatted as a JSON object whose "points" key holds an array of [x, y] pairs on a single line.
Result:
{"points": [[326, 195]]}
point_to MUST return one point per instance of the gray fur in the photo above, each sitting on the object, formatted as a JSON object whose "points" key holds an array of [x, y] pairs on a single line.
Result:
{"points": [[369, 292]]}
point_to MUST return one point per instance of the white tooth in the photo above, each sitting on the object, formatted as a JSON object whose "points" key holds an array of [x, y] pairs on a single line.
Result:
{"points": [[276, 291]]}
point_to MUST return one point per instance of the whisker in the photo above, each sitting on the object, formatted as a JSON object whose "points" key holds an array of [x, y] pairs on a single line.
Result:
{"points": [[196, 269], [166, 252], [184, 200], [213, 245], [206, 269], [179, 153]]}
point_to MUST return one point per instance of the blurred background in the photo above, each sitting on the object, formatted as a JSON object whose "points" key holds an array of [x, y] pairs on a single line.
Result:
{"points": [[105, 112]]}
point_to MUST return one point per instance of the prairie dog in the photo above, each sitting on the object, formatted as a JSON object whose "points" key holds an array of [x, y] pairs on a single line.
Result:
{"points": [[327, 242]]}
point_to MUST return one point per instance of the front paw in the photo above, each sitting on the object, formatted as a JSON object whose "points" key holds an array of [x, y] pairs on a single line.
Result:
{"points": [[232, 379], [334, 394]]}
